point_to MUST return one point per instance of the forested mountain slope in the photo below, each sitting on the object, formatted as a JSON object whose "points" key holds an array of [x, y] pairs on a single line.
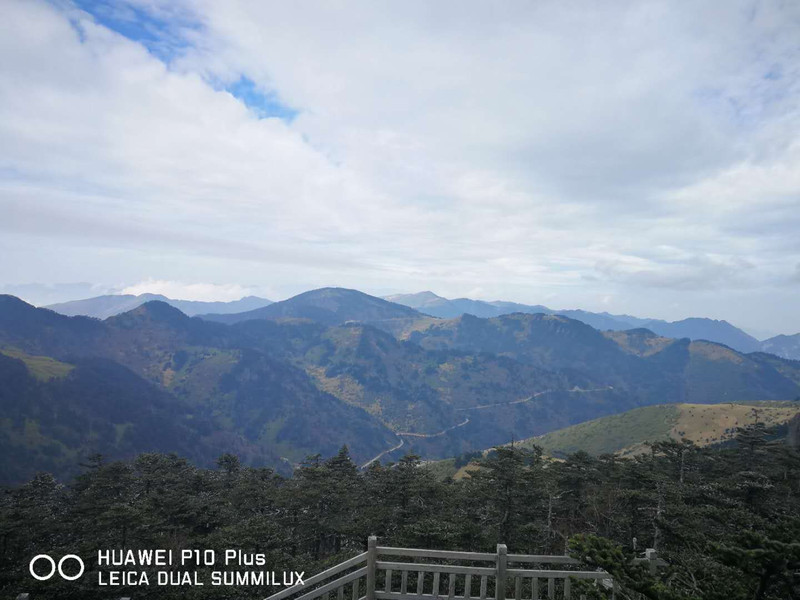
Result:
{"points": [[650, 368], [693, 328], [234, 398]]}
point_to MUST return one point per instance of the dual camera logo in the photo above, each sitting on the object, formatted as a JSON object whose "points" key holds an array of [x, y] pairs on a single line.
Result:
{"points": [[54, 567]]}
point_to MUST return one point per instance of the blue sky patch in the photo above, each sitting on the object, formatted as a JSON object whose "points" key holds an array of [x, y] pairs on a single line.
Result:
{"points": [[163, 37], [775, 73], [263, 105]]}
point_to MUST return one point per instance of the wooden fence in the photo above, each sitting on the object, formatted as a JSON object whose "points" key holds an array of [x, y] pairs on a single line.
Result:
{"points": [[416, 574]]}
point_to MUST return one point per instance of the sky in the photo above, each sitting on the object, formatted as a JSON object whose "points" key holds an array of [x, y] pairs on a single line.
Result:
{"points": [[635, 157]]}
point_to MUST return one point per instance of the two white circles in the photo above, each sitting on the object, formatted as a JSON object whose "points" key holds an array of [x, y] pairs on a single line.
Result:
{"points": [[54, 568]]}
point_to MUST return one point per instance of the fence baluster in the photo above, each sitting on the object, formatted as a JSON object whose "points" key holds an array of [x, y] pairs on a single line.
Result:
{"points": [[518, 588], [502, 562], [372, 557], [404, 582], [567, 590], [535, 588], [420, 582], [388, 580], [354, 595], [551, 588], [436, 585], [467, 586], [483, 587], [451, 586]]}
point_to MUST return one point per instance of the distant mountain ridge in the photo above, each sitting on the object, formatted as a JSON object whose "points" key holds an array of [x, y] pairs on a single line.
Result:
{"points": [[785, 346], [102, 307], [318, 305], [330, 306], [693, 328], [712, 330], [691, 371]]}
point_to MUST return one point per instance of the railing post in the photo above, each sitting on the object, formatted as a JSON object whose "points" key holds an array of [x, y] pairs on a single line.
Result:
{"points": [[502, 563], [372, 558], [652, 558]]}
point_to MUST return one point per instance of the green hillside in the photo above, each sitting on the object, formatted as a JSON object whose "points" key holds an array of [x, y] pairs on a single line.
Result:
{"points": [[628, 432], [42, 368], [612, 433]]}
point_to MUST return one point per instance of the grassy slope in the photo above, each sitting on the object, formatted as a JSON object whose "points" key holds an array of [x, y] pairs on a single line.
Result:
{"points": [[708, 424], [611, 433], [628, 432], [42, 368]]}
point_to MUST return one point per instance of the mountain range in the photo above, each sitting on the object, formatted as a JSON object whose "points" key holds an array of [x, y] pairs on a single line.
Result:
{"points": [[720, 331], [785, 346], [332, 367], [428, 303], [102, 307]]}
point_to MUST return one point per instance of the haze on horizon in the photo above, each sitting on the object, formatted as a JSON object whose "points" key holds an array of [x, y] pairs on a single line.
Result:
{"points": [[642, 158]]}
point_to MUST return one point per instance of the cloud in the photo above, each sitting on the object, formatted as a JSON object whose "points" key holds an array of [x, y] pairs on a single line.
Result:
{"points": [[702, 273], [795, 278], [534, 150], [179, 290]]}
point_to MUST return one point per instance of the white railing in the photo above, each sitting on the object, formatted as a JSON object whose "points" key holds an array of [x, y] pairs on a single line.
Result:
{"points": [[451, 575]]}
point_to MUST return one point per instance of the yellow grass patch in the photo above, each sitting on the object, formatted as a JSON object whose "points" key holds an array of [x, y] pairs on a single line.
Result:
{"points": [[706, 424], [43, 368]]}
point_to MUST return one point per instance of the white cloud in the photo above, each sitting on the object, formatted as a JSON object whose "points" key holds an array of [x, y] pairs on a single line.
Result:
{"points": [[509, 149], [703, 273], [179, 290]]}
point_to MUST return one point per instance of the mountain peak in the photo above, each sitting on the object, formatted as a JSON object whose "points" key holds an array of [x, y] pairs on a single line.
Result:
{"points": [[8, 301], [154, 311], [159, 309], [329, 305], [701, 328], [420, 298], [14, 309], [19, 317]]}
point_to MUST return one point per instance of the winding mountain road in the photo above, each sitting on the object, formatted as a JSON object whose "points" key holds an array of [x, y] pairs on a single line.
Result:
{"points": [[432, 435], [415, 435], [467, 420], [534, 396], [382, 454]]}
